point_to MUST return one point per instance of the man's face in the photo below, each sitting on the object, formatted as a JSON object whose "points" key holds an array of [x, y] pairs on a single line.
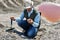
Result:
{"points": [[29, 9]]}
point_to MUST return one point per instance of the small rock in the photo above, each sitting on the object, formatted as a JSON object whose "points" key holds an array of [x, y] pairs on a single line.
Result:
{"points": [[42, 29], [1, 26]]}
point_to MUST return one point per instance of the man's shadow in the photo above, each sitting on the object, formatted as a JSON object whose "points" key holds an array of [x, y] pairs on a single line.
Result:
{"points": [[19, 34], [13, 30]]}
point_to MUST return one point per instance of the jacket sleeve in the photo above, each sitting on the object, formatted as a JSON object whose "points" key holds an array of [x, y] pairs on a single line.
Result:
{"points": [[36, 20], [21, 17]]}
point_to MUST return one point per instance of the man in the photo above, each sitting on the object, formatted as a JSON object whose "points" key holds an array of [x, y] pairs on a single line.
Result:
{"points": [[29, 20]]}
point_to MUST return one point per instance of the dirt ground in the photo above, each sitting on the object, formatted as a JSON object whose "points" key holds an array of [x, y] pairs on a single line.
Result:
{"points": [[52, 31]]}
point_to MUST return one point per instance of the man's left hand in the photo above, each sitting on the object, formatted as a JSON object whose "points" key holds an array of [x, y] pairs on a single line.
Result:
{"points": [[30, 21]]}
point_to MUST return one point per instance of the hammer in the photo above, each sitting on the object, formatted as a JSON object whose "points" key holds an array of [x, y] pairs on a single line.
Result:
{"points": [[11, 28]]}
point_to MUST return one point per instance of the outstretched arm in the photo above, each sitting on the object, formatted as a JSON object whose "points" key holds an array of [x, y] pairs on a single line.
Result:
{"points": [[20, 18]]}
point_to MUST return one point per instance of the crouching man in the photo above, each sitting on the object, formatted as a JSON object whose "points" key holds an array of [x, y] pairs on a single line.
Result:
{"points": [[29, 21]]}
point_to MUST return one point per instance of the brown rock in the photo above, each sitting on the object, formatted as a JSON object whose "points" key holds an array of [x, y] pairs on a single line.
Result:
{"points": [[1, 26]]}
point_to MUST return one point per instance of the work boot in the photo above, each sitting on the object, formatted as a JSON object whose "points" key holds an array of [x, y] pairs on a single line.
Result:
{"points": [[23, 31]]}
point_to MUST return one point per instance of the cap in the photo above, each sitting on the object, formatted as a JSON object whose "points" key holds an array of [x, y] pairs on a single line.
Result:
{"points": [[28, 3]]}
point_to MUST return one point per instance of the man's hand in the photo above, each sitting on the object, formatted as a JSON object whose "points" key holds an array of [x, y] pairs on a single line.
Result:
{"points": [[30, 21], [12, 18]]}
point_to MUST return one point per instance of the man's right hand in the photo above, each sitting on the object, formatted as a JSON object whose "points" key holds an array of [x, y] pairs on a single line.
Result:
{"points": [[12, 18]]}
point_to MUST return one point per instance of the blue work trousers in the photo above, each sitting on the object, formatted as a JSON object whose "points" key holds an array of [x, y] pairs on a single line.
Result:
{"points": [[30, 31]]}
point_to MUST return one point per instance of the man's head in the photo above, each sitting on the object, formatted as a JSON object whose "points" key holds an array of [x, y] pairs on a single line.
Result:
{"points": [[29, 9], [28, 5]]}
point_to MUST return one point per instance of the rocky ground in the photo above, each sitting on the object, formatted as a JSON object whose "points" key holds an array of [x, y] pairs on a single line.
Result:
{"points": [[52, 32]]}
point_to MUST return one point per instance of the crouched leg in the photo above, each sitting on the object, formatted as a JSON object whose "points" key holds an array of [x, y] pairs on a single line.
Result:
{"points": [[23, 24], [32, 32]]}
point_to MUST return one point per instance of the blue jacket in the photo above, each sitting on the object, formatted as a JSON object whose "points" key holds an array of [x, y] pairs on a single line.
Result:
{"points": [[36, 20]]}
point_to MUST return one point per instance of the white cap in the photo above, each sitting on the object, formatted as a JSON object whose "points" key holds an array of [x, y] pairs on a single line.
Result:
{"points": [[28, 3]]}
